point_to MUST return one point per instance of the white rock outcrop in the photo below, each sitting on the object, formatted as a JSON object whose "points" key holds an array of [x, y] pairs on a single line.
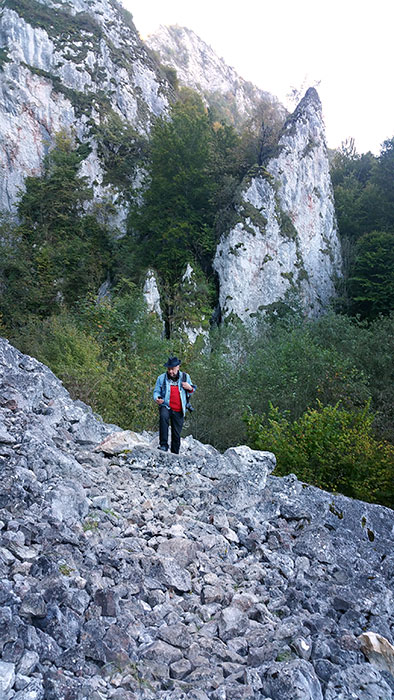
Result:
{"points": [[86, 60], [192, 330], [200, 68], [285, 246], [151, 294]]}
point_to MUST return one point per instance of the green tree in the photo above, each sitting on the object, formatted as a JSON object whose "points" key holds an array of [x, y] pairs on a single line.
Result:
{"points": [[364, 190], [228, 164], [364, 202], [194, 168], [121, 149], [293, 364], [107, 354], [174, 225], [188, 304], [354, 192], [57, 253], [383, 179], [55, 200], [371, 281], [192, 172]]}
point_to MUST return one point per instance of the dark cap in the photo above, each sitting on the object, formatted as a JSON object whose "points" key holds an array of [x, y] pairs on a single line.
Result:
{"points": [[172, 362]]}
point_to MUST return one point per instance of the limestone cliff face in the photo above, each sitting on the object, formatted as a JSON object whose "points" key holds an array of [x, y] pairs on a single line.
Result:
{"points": [[68, 65], [151, 294], [199, 68], [285, 246]]}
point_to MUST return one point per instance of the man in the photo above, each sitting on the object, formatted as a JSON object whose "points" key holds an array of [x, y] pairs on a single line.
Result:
{"points": [[170, 395]]}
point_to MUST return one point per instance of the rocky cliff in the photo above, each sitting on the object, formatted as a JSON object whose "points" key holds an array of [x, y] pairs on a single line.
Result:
{"points": [[200, 68], [69, 65], [285, 246], [81, 66], [132, 574]]}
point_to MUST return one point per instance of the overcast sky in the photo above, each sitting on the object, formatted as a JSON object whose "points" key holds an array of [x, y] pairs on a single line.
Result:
{"points": [[347, 45]]}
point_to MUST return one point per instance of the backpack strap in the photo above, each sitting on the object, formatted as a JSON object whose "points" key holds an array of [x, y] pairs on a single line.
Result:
{"points": [[186, 392], [164, 386]]}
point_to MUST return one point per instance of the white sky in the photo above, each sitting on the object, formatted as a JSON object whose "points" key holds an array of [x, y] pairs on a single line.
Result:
{"points": [[281, 44]]}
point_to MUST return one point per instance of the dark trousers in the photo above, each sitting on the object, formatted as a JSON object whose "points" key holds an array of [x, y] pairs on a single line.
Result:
{"points": [[167, 416]]}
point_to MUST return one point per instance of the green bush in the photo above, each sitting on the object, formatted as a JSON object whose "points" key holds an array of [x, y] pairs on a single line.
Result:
{"points": [[121, 322], [220, 399], [120, 148], [290, 363], [292, 368], [72, 354], [368, 347], [329, 447], [108, 355], [293, 363]]}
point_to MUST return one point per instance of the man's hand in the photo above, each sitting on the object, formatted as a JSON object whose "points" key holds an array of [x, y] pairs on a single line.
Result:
{"points": [[159, 401], [187, 386]]}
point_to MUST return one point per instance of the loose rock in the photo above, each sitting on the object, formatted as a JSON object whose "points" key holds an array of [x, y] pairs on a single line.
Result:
{"points": [[199, 576]]}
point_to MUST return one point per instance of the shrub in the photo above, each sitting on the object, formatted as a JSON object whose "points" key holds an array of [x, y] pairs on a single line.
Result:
{"points": [[293, 363], [329, 447], [72, 354], [117, 383], [57, 253], [219, 401]]}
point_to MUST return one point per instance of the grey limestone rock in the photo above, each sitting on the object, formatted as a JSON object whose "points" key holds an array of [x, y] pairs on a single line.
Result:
{"points": [[359, 681], [232, 623], [32, 691], [7, 678], [54, 78], [168, 571], [181, 549], [151, 294], [68, 502], [166, 653], [145, 575], [198, 67], [5, 436], [253, 466], [33, 604], [295, 680], [180, 669], [285, 247], [28, 663]]}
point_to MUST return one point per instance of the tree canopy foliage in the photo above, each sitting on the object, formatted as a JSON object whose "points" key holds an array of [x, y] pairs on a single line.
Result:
{"points": [[194, 166], [371, 279], [294, 364], [364, 202], [329, 447], [57, 252]]}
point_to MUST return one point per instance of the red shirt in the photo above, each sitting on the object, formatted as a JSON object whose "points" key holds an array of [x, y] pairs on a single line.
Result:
{"points": [[175, 398]]}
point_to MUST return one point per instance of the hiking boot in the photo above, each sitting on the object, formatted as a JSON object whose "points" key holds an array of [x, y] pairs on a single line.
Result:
{"points": [[163, 448]]}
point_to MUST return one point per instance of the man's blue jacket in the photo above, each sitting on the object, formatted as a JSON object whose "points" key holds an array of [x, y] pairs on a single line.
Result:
{"points": [[162, 389]]}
